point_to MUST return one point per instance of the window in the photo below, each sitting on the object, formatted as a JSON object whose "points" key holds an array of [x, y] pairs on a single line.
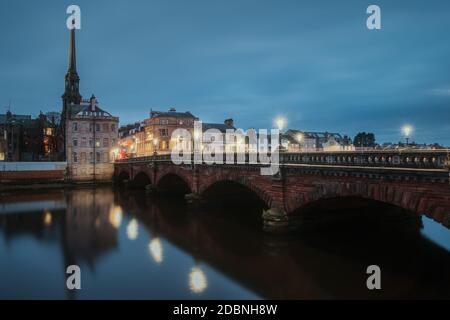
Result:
{"points": [[90, 127], [83, 157], [75, 142], [97, 156], [105, 157], [105, 142], [164, 132], [75, 157], [97, 142], [97, 127], [83, 142], [75, 126], [164, 121], [105, 127], [91, 157], [113, 127], [91, 142]]}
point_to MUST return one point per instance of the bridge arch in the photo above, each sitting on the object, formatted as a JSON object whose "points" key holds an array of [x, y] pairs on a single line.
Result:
{"points": [[141, 179], [122, 177], [239, 181], [173, 183], [398, 196]]}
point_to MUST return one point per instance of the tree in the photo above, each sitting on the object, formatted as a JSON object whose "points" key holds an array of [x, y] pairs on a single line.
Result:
{"points": [[364, 139]]}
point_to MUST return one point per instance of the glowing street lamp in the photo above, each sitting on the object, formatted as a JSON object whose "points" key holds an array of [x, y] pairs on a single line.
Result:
{"points": [[280, 122], [407, 131]]}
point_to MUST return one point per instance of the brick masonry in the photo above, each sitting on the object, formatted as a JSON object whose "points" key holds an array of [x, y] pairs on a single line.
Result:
{"points": [[420, 193]]}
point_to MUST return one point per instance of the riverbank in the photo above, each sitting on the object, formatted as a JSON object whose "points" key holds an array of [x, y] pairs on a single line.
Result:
{"points": [[6, 188]]}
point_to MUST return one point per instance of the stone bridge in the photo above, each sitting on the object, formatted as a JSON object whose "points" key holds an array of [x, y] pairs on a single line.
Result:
{"points": [[417, 181]]}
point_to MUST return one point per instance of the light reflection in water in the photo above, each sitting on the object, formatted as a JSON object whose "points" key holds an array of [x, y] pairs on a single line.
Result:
{"points": [[156, 250], [197, 280], [115, 216], [132, 229], [47, 218]]}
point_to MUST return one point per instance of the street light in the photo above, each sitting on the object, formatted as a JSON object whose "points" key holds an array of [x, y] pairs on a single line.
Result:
{"points": [[407, 131], [280, 122]]}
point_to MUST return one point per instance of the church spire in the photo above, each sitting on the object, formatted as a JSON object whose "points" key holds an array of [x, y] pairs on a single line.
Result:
{"points": [[72, 53], [72, 80]]}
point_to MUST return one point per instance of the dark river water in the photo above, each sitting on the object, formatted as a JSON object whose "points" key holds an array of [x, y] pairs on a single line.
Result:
{"points": [[131, 246]]}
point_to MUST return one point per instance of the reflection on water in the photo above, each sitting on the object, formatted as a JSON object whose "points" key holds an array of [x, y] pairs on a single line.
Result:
{"points": [[131, 246]]}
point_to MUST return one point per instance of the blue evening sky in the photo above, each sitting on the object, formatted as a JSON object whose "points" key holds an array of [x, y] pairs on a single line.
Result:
{"points": [[314, 62]]}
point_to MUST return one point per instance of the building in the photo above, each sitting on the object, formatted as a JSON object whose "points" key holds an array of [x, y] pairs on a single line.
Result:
{"points": [[304, 141], [297, 141], [160, 127], [127, 146], [90, 133], [210, 130], [25, 139]]}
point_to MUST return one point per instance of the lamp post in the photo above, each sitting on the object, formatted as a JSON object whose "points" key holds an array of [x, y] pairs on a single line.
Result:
{"points": [[300, 138], [407, 131]]}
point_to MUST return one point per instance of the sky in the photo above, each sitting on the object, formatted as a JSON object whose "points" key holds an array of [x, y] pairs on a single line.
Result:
{"points": [[313, 62]]}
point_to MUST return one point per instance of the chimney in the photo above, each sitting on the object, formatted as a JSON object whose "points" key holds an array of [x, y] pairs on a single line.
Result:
{"points": [[229, 122], [93, 102]]}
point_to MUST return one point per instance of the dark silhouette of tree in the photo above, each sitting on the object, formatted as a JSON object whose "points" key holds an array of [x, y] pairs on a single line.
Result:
{"points": [[364, 139]]}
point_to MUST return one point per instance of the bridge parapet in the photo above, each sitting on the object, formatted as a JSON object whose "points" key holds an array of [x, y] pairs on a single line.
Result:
{"points": [[420, 159], [428, 159]]}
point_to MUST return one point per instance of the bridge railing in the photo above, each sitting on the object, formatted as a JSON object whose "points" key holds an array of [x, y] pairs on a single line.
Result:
{"points": [[425, 159], [431, 159]]}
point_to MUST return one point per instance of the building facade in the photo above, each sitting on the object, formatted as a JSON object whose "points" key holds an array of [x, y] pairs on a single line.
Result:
{"points": [[90, 133], [160, 127], [25, 139]]}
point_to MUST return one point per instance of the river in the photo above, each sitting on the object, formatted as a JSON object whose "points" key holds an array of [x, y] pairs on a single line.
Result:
{"points": [[131, 246]]}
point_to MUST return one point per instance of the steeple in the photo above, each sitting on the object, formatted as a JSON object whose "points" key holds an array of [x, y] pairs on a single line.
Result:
{"points": [[72, 80]]}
